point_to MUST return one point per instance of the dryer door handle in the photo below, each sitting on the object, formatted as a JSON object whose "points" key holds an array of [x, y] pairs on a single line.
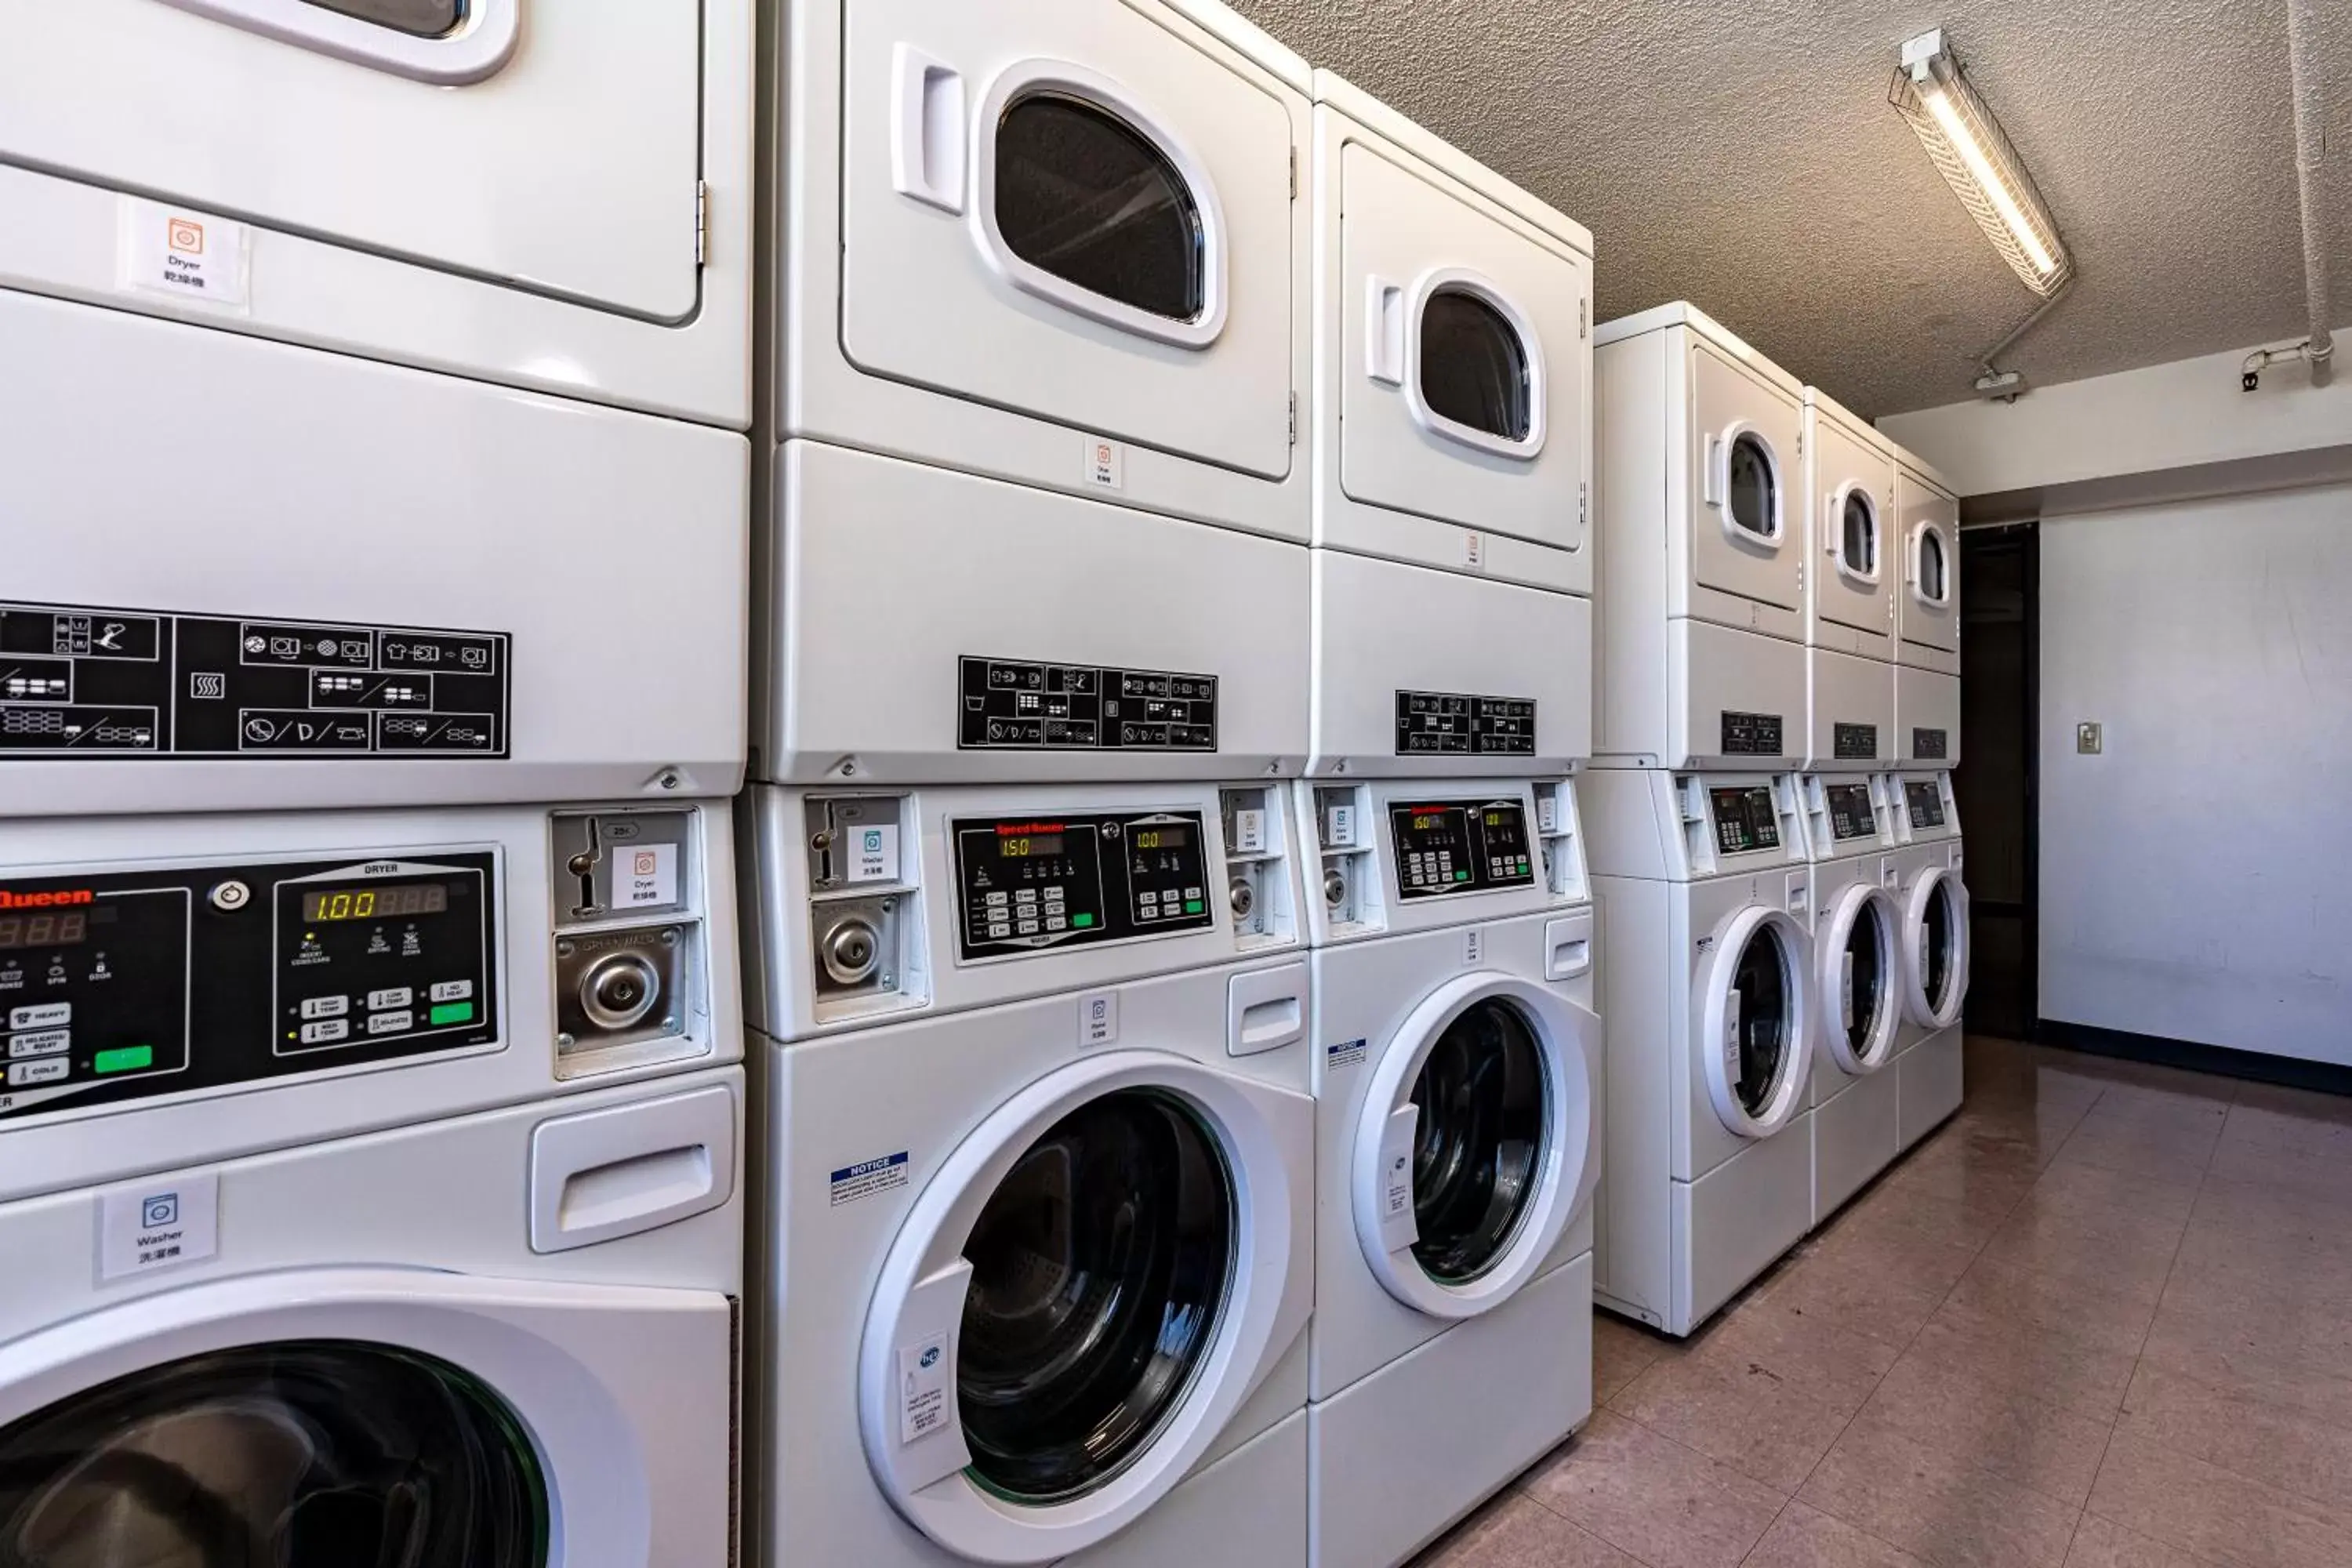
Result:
{"points": [[926, 138], [1384, 327]]}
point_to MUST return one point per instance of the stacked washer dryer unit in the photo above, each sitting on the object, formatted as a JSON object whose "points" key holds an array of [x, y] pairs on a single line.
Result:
{"points": [[1456, 1052], [1035, 1160], [1852, 555], [1695, 831], [369, 1133], [1928, 823]]}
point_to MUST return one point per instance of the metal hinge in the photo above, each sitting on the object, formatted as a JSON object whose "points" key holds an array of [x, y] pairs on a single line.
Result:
{"points": [[1801, 442], [1293, 174], [1294, 420], [702, 220], [1580, 318], [1580, 505]]}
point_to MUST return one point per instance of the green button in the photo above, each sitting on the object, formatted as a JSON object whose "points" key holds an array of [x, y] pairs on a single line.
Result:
{"points": [[451, 1013], [1461, 876], [1191, 906], [126, 1058], [1082, 921]]}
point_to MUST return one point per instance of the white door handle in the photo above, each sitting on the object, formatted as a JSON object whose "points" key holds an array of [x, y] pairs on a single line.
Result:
{"points": [[927, 137], [1384, 331], [1711, 481]]}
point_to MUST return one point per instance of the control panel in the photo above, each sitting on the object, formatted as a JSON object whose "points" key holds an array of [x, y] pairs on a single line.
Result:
{"points": [[1745, 818], [1851, 813], [1461, 846], [126, 983], [1031, 883], [1925, 803]]}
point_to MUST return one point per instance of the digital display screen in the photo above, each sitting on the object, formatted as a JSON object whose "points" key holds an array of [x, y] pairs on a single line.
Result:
{"points": [[61, 930], [1162, 837], [1850, 813], [1745, 820], [394, 902], [1022, 847], [1925, 801]]}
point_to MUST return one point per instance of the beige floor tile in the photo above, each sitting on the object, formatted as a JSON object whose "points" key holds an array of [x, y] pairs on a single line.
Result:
{"points": [[2001, 1428], [2314, 1138], [2213, 1513], [1984, 1186], [2300, 1314], [2137, 1151], [1807, 1538], [1993, 1298], [1852, 1292], [1514, 1530], [1647, 1495], [2125, 1250], [2254, 1357], [2102, 1543], [1621, 1353], [2254, 1208], [1931, 1213], [2049, 1367], [1746, 1416], [1941, 1508], [2281, 1169], [1929, 1255], [2167, 1198], [1804, 1350], [2234, 1427], [2283, 1261], [2302, 1105]]}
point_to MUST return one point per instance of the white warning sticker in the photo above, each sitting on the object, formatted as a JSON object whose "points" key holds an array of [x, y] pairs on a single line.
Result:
{"points": [[868, 1177]]}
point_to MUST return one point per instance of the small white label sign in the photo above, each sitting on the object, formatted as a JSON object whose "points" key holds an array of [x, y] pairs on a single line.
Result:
{"points": [[1340, 827], [191, 257], [1249, 833], [922, 1388], [1473, 549], [644, 874], [1106, 463], [157, 1224], [874, 853], [1098, 1018], [1473, 945], [1547, 814]]}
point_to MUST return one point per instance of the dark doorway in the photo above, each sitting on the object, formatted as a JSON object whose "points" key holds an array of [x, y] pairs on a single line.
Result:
{"points": [[1995, 782]]}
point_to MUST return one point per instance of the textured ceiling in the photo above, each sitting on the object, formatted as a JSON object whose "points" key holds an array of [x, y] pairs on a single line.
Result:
{"points": [[1745, 157]]}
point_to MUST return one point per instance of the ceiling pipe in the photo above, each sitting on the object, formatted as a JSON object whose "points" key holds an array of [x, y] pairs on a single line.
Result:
{"points": [[2310, 148]]}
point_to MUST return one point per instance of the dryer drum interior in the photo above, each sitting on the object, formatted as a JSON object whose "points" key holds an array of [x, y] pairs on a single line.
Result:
{"points": [[1943, 938], [1100, 1272], [1084, 195], [311, 1454], [1761, 983], [1474, 366], [1478, 1141], [1867, 991]]}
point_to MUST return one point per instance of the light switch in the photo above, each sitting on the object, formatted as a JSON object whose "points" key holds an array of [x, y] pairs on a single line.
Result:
{"points": [[2089, 739]]}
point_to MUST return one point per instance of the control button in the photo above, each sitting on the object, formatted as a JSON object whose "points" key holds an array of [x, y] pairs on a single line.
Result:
{"points": [[1025, 896], [125, 1058], [1000, 928], [995, 901], [1192, 892], [1192, 906], [1055, 922], [390, 996], [1027, 928], [230, 895], [46, 1043], [50, 1071], [453, 991], [446, 1013], [1082, 920], [1149, 899], [41, 1015], [325, 1006], [326, 1029], [391, 1022]]}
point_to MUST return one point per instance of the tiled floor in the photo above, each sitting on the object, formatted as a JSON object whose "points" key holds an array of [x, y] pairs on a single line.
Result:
{"points": [[2103, 1319]]}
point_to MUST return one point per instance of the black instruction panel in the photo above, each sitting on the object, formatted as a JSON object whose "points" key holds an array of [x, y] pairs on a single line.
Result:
{"points": [[1011, 704], [1855, 742], [80, 682], [1745, 818], [1929, 744], [1463, 724], [1026, 884], [133, 982], [1461, 846], [1851, 813], [1751, 734], [1924, 802]]}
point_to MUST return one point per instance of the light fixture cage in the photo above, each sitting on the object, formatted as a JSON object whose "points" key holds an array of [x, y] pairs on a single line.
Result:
{"points": [[1941, 70]]}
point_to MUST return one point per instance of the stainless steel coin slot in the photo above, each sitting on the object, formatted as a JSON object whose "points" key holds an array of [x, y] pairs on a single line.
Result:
{"points": [[619, 989]]}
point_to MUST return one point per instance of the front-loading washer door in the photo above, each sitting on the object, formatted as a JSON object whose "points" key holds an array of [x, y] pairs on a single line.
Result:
{"points": [[1755, 1010], [1080, 1300], [1862, 980], [552, 146], [1071, 210], [1462, 385], [1747, 530], [1935, 931], [360, 1416], [1475, 1146]]}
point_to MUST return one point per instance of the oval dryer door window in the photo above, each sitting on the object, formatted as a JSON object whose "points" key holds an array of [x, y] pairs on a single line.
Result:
{"points": [[1088, 198], [1475, 367], [1752, 488]]}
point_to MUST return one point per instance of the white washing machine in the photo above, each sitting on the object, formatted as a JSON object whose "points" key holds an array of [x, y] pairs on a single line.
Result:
{"points": [[315, 580], [1038, 1256], [920, 626], [1457, 1104], [503, 1338], [1055, 241], [1934, 898], [1702, 548], [550, 196], [1927, 620], [1864, 986], [1708, 983], [1851, 550]]}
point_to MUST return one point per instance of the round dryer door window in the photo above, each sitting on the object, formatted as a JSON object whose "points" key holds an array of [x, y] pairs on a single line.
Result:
{"points": [[1474, 366], [1478, 1144], [322, 1454], [1753, 485], [1087, 197], [1098, 1270]]}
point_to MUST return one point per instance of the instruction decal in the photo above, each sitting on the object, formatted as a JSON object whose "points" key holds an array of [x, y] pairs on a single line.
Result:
{"points": [[1855, 742], [866, 1178], [1011, 704], [1464, 724], [1751, 734], [1930, 745]]}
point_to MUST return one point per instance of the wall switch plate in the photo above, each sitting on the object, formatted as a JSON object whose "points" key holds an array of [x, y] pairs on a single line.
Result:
{"points": [[2089, 739]]}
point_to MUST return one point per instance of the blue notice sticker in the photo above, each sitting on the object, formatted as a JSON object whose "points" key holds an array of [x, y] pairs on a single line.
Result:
{"points": [[868, 1177], [1346, 1053]]}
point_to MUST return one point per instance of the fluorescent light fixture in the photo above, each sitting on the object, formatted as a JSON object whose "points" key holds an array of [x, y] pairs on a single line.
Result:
{"points": [[1984, 171]]}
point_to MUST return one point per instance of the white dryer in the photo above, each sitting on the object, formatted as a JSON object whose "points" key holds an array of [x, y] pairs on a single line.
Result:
{"points": [[1702, 548], [1457, 1090], [1851, 550], [502, 1338], [1709, 981], [1056, 241], [1038, 1249], [1934, 900], [1864, 988], [1927, 620], [550, 196]]}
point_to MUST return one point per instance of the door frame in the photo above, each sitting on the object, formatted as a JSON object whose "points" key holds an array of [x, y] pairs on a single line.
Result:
{"points": [[2024, 536]]}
